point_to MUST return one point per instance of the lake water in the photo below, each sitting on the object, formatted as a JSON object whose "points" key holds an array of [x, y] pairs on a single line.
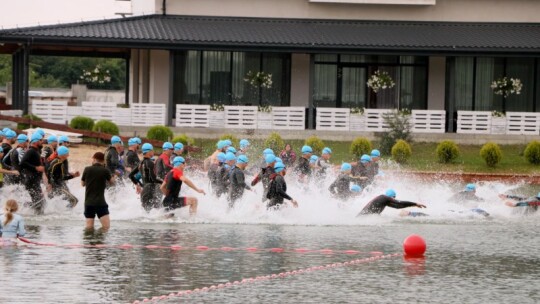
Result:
{"points": [[469, 259]]}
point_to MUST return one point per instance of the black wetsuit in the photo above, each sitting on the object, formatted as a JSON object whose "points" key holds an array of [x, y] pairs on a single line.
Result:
{"points": [[15, 159], [32, 178], [58, 175], [237, 185], [465, 196], [323, 165], [112, 160], [213, 177], [151, 194], [132, 160], [341, 186], [174, 185], [377, 205], [46, 152], [163, 166], [362, 170], [277, 192], [531, 203], [265, 177], [302, 167], [6, 164]]}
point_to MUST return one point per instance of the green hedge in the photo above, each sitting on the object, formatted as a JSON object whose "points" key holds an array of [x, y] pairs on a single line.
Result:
{"points": [[491, 153], [315, 143], [274, 142], [360, 146], [82, 123], [401, 151], [106, 126], [447, 151], [160, 133], [532, 152]]}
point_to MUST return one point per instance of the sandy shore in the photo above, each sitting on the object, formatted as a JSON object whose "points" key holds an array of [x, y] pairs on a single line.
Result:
{"points": [[80, 156]]}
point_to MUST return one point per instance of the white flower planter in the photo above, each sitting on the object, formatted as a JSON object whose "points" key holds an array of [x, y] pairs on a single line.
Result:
{"points": [[264, 120], [357, 122], [216, 119], [498, 125]]}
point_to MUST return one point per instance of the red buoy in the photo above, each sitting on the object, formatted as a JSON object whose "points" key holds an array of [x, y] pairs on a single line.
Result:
{"points": [[414, 245]]}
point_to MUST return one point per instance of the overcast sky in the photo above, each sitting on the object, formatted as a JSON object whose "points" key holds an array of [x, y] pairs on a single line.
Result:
{"points": [[22, 13]]}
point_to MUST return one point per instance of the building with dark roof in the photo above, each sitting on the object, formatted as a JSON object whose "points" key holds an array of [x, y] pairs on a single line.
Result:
{"points": [[441, 54]]}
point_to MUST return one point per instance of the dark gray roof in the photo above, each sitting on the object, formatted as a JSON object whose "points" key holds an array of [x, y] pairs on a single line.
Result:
{"points": [[310, 35]]}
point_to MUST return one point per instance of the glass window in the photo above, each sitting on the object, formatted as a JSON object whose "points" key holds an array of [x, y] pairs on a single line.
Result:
{"points": [[487, 70], [326, 58], [325, 85], [243, 92], [461, 83], [187, 66], [355, 58], [216, 77], [275, 64], [413, 89], [523, 69]]}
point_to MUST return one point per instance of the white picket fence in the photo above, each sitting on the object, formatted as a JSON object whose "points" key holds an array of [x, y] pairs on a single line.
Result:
{"points": [[375, 119], [288, 118], [429, 121], [474, 122], [522, 123], [15, 113], [136, 115], [333, 119], [193, 116], [240, 117]]}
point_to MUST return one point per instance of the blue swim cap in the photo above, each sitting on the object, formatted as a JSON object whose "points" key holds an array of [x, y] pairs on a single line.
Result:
{"points": [[268, 151], [270, 158], [470, 187], [35, 137], [229, 156], [375, 153], [365, 158], [228, 142], [1, 133], [62, 150], [327, 151], [346, 167], [116, 140], [178, 161], [244, 143], [178, 146], [356, 188], [10, 134], [306, 150], [313, 159], [51, 139], [1, 150], [221, 157], [131, 142], [231, 149], [147, 148], [137, 140], [22, 138], [390, 192], [242, 159], [62, 139], [167, 146], [5, 130], [40, 132], [278, 160], [221, 144], [279, 167]]}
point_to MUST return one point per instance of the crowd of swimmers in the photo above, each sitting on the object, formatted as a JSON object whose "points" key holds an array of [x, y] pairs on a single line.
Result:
{"points": [[36, 160]]}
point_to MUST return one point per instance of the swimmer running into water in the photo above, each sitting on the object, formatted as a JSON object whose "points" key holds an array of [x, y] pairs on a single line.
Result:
{"points": [[377, 205]]}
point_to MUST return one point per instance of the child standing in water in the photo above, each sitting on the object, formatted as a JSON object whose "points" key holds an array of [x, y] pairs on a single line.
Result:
{"points": [[11, 224]]}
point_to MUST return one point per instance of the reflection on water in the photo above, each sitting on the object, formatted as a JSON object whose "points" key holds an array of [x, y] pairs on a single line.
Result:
{"points": [[468, 259]]}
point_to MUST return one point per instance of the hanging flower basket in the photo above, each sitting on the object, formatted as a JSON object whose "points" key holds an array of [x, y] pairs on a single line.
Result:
{"points": [[380, 81], [259, 79], [506, 86]]}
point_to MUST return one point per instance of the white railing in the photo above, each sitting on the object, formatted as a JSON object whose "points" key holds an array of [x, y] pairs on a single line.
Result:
{"points": [[474, 122], [375, 119], [148, 114], [53, 111], [428, 121], [99, 110], [72, 112], [522, 123], [122, 116], [241, 117], [288, 118], [15, 113], [194, 116], [333, 119]]}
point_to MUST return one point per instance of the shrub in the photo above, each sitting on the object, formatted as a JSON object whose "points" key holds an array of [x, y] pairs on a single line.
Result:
{"points": [[360, 146], [399, 127], [82, 123], [231, 137], [491, 153], [401, 151], [22, 126], [274, 142], [447, 151], [532, 152], [315, 143], [106, 126], [184, 139], [159, 133]]}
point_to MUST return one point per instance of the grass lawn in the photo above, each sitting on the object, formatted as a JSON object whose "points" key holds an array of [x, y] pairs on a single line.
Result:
{"points": [[423, 157]]}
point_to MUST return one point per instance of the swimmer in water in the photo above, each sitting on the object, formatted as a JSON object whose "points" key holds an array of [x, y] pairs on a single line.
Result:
{"points": [[11, 224], [531, 203], [377, 205], [468, 194]]}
